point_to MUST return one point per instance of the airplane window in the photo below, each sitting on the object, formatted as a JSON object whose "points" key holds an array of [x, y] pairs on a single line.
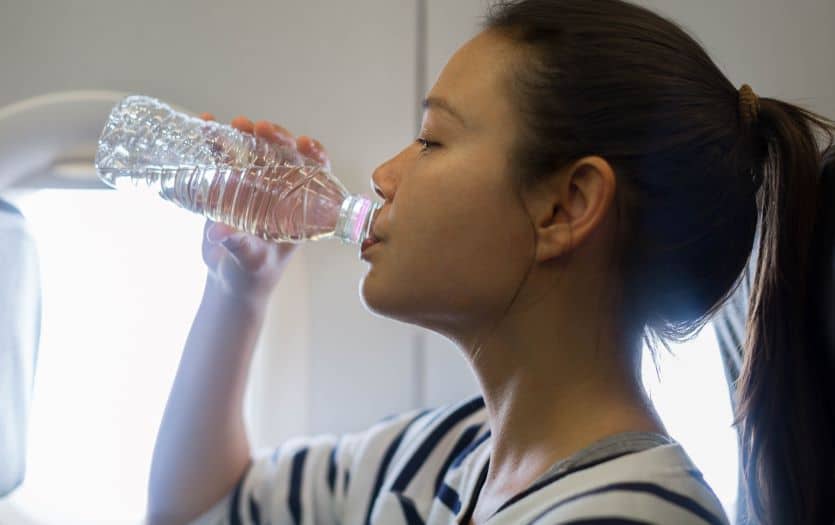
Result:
{"points": [[693, 401], [122, 276]]}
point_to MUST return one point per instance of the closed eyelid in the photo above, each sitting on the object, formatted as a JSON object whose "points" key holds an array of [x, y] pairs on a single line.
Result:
{"points": [[425, 145]]}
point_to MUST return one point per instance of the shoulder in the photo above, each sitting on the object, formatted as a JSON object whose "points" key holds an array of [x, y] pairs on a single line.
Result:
{"points": [[410, 446], [660, 485], [431, 430], [446, 417]]}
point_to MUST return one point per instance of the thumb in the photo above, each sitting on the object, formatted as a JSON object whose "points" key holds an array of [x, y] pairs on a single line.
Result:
{"points": [[237, 247]]}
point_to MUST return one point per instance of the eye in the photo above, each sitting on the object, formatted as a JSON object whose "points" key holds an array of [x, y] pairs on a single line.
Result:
{"points": [[426, 145]]}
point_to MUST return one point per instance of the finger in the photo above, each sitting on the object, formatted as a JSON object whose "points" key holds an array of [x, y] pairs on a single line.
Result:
{"points": [[274, 134], [212, 254], [207, 227], [250, 156], [218, 232], [231, 249], [242, 123], [306, 146], [320, 147], [207, 116], [245, 250], [281, 130], [312, 148], [235, 243]]}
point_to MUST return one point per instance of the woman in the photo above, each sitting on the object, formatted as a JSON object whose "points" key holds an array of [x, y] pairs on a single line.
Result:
{"points": [[585, 179]]}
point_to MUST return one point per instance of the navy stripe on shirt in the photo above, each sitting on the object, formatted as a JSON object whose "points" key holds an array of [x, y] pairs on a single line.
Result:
{"points": [[381, 471], [468, 514], [332, 466], [647, 488], [409, 511], [431, 442], [294, 500], [698, 476], [558, 476], [465, 440], [472, 446], [449, 497], [606, 521], [254, 510], [234, 516]]}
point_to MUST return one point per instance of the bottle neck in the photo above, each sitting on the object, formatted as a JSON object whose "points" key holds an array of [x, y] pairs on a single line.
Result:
{"points": [[355, 219]]}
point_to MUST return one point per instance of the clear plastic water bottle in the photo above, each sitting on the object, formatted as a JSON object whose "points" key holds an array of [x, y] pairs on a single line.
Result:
{"points": [[235, 178]]}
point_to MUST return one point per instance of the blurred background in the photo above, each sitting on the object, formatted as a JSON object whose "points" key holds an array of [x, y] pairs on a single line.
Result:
{"points": [[122, 275]]}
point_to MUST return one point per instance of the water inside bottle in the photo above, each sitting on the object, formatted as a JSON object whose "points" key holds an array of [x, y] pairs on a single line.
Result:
{"points": [[226, 175], [278, 203]]}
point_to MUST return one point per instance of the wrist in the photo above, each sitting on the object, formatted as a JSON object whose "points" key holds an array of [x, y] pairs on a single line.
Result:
{"points": [[216, 291]]}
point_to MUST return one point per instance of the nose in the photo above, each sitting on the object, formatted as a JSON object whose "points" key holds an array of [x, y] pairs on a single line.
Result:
{"points": [[384, 179]]}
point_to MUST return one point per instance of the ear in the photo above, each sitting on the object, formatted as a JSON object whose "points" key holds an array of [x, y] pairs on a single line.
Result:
{"points": [[570, 206]]}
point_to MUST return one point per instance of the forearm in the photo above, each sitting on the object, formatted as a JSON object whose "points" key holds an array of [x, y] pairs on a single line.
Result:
{"points": [[202, 449]]}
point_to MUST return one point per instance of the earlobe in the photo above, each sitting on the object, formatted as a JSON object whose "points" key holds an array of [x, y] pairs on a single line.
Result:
{"points": [[552, 245], [552, 220], [553, 236]]}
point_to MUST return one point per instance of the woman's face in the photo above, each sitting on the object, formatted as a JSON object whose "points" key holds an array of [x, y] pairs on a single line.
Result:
{"points": [[455, 239]]}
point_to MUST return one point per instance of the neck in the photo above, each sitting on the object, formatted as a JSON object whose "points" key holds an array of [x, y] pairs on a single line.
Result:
{"points": [[553, 391]]}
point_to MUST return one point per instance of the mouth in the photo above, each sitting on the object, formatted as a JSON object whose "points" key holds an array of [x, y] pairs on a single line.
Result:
{"points": [[372, 235], [368, 243]]}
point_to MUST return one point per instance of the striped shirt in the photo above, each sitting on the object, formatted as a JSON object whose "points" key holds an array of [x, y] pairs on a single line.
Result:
{"points": [[427, 467]]}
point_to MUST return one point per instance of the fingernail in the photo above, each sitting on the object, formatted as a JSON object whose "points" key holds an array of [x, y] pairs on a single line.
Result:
{"points": [[214, 236]]}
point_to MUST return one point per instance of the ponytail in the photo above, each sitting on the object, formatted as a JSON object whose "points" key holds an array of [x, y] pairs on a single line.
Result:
{"points": [[786, 401], [615, 79]]}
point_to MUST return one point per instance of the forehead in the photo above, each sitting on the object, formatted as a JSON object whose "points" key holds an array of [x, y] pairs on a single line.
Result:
{"points": [[474, 81]]}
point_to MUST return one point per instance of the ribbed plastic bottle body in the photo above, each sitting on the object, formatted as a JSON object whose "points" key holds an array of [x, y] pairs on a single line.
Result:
{"points": [[228, 176]]}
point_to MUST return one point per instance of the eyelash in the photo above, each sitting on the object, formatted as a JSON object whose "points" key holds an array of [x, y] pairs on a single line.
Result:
{"points": [[426, 145]]}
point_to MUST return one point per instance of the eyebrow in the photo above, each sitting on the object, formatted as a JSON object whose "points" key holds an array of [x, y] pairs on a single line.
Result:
{"points": [[439, 103]]}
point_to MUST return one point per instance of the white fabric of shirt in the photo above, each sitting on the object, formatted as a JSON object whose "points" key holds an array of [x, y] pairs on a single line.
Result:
{"points": [[424, 467]]}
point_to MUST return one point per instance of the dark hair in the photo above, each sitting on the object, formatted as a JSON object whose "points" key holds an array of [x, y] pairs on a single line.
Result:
{"points": [[697, 184]]}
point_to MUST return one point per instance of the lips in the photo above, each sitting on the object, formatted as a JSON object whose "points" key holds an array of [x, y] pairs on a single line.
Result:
{"points": [[372, 234], [369, 242], [373, 238]]}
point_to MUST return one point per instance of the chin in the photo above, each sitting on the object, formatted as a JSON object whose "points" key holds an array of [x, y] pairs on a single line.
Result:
{"points": [[383, 300], [375, 297]]}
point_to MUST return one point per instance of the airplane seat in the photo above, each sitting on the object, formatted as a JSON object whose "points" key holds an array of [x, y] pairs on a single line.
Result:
{"points": [[20, 316], [45, 142]]}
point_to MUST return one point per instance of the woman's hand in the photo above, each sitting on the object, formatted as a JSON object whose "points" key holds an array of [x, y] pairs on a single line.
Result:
{"points": [[244, 265]]}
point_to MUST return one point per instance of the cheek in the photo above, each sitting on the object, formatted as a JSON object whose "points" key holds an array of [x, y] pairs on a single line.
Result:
{"points": [[485, 245], [459, 253]]}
